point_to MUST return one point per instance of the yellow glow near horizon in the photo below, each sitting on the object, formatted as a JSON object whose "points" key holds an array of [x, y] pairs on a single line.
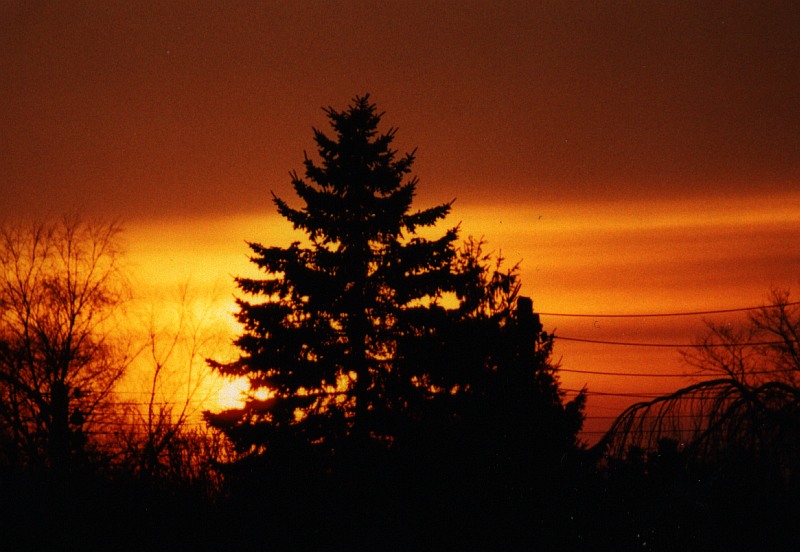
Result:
{"points": [[608, 257]]}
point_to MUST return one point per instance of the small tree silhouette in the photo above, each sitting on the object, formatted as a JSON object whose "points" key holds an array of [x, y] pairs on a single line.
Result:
{"points": [[60, 288], [157, 439]]}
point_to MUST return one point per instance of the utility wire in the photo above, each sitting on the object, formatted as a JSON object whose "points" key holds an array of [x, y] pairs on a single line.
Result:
{"points": [[670, 345], [634, 374], [610, 394], [670, 416], [653, 375], [665, 314]]}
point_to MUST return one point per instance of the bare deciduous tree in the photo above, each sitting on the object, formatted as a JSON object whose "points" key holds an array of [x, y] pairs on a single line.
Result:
{"points": [[158, 432], [60, 291]]}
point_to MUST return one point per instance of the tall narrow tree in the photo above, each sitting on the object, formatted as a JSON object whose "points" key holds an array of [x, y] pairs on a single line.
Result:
{"points": [[320, 329]]}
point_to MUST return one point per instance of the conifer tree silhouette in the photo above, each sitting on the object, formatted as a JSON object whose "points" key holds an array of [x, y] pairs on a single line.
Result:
{"points": [[393, 361], [320, 330], [407, 379]]}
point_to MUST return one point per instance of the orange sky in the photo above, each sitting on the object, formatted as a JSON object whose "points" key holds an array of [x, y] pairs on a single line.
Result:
{"points": [[618, 258], [637, 156]]}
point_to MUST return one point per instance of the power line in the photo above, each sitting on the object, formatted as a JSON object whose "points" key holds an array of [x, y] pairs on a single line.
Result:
{"points": [[665, 314], [669, 345], [643, 431], [694, 416], [671, 416], [610, 394], [608, 408], [652, 375], [633, 374]]}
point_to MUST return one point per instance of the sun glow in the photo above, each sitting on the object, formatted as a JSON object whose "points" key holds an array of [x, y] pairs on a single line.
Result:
{"points": [[232, 394]]}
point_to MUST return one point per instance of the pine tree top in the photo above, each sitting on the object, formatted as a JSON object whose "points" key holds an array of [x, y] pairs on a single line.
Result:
{"points": [[359, 190]]}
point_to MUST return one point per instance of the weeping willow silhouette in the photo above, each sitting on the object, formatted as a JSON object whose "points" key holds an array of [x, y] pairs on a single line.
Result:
{"points": [[749, 406]]}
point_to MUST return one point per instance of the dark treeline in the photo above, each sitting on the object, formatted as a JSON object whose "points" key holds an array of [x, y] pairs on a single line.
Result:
{"points": [[402, 397]]}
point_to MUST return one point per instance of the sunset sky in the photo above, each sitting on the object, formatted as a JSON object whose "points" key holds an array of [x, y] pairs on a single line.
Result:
{"points": [[637, 157]]}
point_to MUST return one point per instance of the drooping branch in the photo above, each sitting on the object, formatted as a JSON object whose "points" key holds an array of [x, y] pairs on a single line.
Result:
{"points": [[749, 407]]}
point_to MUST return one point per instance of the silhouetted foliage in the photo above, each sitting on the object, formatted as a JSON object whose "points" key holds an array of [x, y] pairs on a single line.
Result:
{"points": [[403, 396], [724, 449], [323, 340], [79, 468], [60, 287], [392, 376], [752, 405], [156, 438]]}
